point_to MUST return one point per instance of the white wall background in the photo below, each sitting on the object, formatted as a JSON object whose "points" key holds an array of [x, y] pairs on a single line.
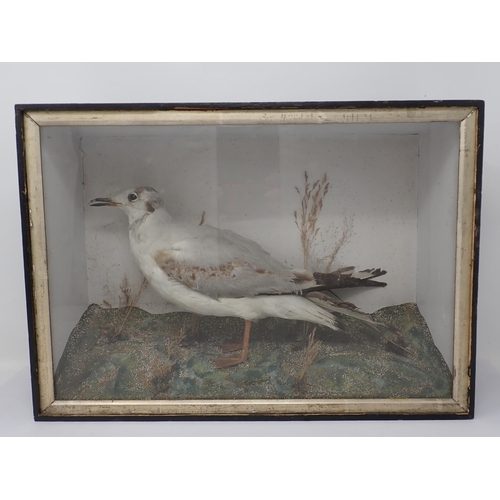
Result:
{"points": [[232, 83], [243, 179], [372, 183]]}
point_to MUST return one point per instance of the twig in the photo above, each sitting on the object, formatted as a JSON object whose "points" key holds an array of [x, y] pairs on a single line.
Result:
{"points": [[346, 233], [124, 287], [310, 354], [132, 303], [311, 204], [174, 344]]}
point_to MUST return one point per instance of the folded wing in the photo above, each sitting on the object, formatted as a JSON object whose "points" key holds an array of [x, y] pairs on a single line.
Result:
{"points": [[220, 263]]}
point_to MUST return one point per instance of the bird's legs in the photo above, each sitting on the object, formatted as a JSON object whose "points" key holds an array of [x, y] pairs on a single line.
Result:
{"points": [[236, 360], [195, 325]]}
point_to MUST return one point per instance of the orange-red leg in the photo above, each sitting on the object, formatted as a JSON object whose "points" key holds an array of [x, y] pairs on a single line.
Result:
{"points": [[236, 360], [195, 325]]}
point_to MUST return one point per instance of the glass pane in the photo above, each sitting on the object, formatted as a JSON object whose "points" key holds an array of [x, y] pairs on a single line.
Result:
{"points": [[253, 267]]}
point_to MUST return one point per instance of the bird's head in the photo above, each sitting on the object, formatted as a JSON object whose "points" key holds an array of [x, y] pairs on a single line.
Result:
{"points": [[135, 202]]}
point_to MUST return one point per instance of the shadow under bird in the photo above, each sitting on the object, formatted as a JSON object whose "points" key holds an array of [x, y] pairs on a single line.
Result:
{"points": [[216, 272]]}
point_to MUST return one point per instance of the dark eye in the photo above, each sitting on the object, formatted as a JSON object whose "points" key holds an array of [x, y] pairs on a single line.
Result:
{"points": [[132, 197]]}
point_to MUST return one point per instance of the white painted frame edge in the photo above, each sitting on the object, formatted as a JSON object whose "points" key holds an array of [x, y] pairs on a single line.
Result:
{"points": [[459, 404]]}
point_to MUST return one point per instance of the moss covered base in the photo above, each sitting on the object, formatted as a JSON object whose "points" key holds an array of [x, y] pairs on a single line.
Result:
{"points": [[156, 356]]}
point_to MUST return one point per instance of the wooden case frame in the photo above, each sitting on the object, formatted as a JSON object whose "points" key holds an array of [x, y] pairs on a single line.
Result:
{"points": [[469, 115]]}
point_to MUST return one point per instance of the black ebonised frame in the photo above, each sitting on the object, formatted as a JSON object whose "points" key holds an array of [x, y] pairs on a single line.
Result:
{"points": [[23, 111]]}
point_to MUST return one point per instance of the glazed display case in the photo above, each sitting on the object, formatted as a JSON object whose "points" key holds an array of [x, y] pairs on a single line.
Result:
{"points": [[258, 260]]}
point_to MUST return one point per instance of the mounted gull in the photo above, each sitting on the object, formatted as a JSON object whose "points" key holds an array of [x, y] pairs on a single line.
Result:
{"points": [[211, 271]]}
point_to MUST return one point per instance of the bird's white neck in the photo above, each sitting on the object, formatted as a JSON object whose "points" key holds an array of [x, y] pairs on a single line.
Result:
{"points": [[137, 219]]}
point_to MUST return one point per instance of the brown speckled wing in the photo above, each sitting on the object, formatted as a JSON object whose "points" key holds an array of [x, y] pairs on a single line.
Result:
{"points": [[235, 278]]}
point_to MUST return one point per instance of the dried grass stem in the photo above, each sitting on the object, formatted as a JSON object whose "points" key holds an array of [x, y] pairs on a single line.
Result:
{"points": [[310, 354]]}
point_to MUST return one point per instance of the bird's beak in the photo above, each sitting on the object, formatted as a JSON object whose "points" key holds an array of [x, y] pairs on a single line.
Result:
{"points": [[103, 202]]}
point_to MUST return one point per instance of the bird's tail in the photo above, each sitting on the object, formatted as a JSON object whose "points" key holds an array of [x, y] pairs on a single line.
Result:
{"points": [[296, 307], [390, 334], [346, 277], [335, 307]]}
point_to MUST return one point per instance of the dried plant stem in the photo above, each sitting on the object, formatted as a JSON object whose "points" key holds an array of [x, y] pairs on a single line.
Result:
{"points": [[161, 371], [124, 287], [346, 233], [132, 304], [310, 354], [311, 205], [174, 344]]}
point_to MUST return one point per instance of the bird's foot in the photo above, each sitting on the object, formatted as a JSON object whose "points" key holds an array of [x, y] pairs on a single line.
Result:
{"points": [[231, 346], [229, 361]]}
